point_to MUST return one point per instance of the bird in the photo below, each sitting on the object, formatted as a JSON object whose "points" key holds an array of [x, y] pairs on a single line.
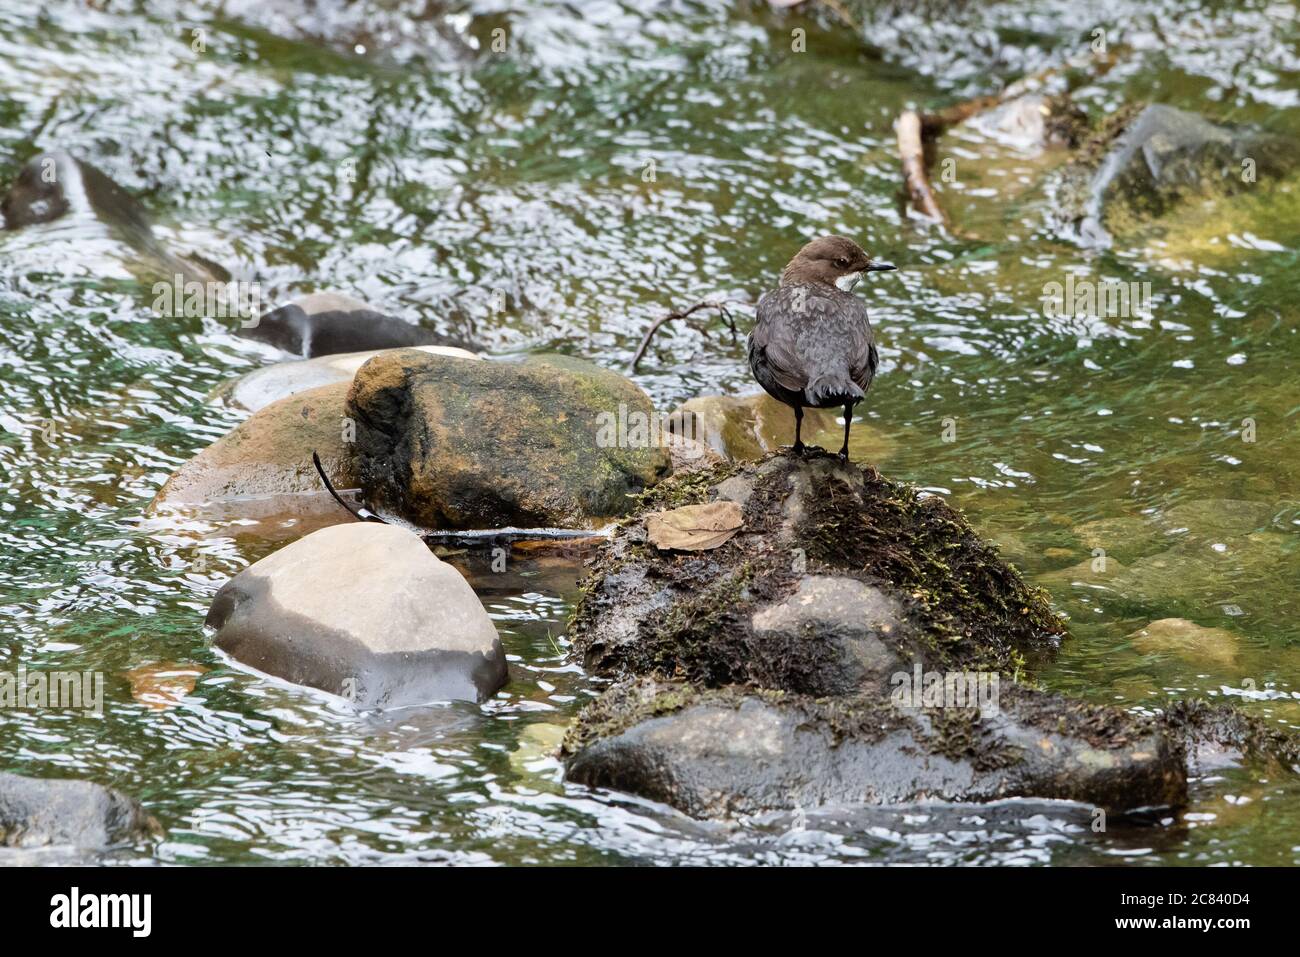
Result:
{"points": [[812, 344]]}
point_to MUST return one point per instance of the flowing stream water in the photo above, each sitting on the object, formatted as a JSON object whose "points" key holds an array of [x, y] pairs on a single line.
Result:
{"points": [[615, 162]]}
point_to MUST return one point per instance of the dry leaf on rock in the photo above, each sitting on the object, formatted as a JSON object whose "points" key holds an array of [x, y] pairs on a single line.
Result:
{"points": [[694, 528]]}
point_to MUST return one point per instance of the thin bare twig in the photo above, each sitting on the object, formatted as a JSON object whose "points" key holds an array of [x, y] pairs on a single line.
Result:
{"points": [[718, 304]]}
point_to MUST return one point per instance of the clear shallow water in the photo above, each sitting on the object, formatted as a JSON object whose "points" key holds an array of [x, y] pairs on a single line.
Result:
{"points": [[523, 173]]}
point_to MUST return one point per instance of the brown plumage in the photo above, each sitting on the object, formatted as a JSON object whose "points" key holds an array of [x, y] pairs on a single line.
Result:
{"points": [[812, 346]]}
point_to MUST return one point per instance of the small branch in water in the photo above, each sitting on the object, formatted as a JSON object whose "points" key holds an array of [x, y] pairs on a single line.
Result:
{"points": [[501, 536], [718, 304], [912, 153], [363, 514], [914, 129]]}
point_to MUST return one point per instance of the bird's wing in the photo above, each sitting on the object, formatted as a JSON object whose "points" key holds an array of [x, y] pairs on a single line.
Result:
{"points": [[777, 354], [860, 347]]}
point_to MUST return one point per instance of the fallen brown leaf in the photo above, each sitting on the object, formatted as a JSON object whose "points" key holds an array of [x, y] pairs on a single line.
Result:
{"points": [[694, 528]]}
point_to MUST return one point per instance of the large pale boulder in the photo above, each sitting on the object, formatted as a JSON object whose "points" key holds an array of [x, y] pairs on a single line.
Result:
{"points": [[365, 611]]}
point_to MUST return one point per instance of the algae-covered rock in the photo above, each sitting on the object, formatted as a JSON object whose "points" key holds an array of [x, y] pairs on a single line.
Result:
{"points": [[855, 642], [747, 427], [1143, 161], [550, 441], [1213, 735], [831, 551], [713, 753], [786, 667]]}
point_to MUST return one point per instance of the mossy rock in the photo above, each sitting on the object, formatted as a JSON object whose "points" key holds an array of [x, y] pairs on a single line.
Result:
{"points": [[453, 443], [721, 752], [884, 576], [1144, 160], [747, 427], [764, 674]]}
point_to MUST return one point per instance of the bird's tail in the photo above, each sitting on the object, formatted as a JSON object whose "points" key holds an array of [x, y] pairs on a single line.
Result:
{"points": [[832, 388]]}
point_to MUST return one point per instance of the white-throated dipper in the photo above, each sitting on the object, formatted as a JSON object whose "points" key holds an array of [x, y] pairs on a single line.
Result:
{"points": [[812, 346]]}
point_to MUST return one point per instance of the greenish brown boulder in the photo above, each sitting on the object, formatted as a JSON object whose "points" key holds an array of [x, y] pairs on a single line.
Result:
{"points": [[1142, 161], [747, 427], [453, 443]]}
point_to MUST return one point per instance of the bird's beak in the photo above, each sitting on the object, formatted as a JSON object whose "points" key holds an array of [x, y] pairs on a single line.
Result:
{"points": [[876, 265]]}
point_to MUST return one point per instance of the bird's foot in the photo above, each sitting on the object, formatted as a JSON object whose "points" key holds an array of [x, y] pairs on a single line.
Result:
{"points": [[844, 455], [799, 450]]}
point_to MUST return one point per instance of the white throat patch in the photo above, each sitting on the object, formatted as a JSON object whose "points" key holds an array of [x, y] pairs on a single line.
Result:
{"points": [[848, 281]]}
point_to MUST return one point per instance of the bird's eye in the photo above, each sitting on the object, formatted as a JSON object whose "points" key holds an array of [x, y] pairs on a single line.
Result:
{"points": [[842, 263]]}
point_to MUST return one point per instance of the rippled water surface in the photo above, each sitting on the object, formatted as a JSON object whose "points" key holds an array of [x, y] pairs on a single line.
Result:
{"points": [[524, 174]]}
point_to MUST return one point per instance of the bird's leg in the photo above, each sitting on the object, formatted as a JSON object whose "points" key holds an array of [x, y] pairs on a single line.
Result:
{"points": [[848, 421], [798, 424]]}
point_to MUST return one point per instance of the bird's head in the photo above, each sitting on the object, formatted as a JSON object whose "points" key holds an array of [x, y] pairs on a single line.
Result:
{"points": [[833, 261]]}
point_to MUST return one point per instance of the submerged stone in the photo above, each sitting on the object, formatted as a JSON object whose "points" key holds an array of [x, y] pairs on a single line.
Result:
{"points": [[1210, 647], [1143, 161], [37, 812]]}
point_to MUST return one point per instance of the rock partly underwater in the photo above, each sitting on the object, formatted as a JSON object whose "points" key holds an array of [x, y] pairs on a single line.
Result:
{"points": [[854, 642]]}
